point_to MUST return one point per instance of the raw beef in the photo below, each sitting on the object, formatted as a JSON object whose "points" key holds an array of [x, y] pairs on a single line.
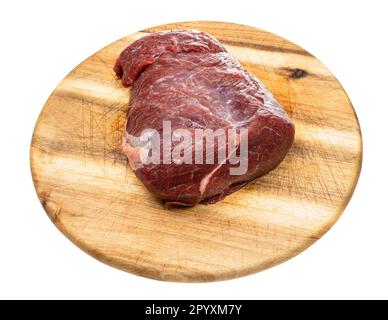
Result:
{"points": [[188, 78]]}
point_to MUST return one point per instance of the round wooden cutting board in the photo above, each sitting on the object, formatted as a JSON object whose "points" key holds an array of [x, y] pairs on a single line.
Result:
{"points": [[90, 193]]}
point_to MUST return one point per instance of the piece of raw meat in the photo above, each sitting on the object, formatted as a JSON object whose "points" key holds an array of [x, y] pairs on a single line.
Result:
{"points": [[188, 79]]}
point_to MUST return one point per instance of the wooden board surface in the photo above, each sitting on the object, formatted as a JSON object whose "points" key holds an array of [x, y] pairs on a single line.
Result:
{"points": [[92, 196]]}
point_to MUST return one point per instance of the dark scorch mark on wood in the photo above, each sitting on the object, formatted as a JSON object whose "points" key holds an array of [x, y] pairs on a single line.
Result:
{"points": [[295, 73]]}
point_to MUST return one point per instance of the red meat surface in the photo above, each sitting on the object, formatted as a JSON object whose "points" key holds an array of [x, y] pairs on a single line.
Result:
{"points": [[188, 78]]}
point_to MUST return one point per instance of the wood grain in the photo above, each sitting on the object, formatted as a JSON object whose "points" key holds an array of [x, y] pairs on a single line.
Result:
{"points": [[90, 193]]}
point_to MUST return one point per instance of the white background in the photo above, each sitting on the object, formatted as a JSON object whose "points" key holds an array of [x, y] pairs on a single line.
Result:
{"points": [[42, 41]]}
